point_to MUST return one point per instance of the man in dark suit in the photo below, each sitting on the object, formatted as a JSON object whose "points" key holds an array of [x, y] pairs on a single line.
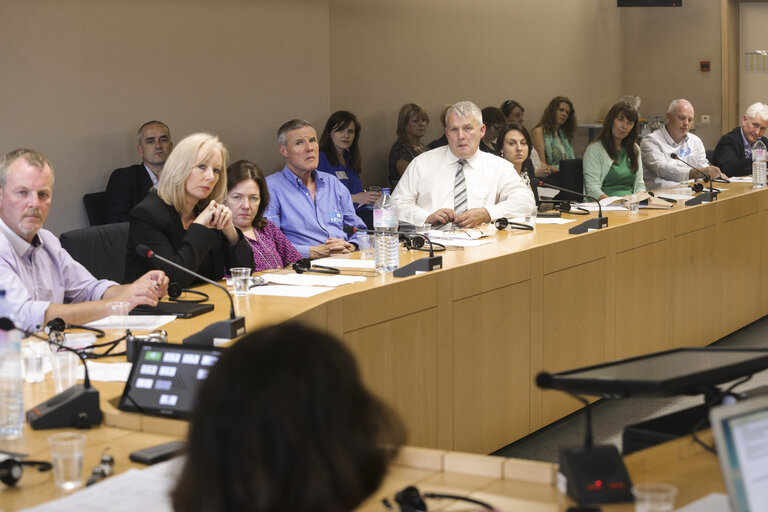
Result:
{"points": [[733, 153], [129, 185]]}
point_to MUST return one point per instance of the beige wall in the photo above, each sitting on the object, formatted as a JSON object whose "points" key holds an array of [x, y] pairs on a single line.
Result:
{"points": [[80, 76], [661, 51], [752, 86], [385, 54]]}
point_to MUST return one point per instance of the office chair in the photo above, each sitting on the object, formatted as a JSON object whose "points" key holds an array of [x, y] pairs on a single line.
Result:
{"points": [[100, 249], [94, 208]]}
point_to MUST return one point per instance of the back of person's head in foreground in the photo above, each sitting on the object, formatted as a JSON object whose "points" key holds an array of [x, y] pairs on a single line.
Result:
{"points": [[284, 423]]}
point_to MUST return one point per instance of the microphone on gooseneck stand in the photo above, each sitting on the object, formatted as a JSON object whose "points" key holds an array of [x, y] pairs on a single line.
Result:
{"points": [[597, 223], [427, 264], [708, 195], [224, 329], [77, 406]]}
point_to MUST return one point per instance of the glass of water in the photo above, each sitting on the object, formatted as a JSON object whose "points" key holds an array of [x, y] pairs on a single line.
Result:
{"points": [[633, 203], [67, 456], [654, 497], [241, 278]]}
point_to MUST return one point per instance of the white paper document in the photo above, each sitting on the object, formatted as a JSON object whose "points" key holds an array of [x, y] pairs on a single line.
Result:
{"points": [[740, 179], [105, 372], [592, 207], [553, 220], [713, 502], [311, 279], [346, 263], [146, 489], [283, 290], [133, 322], [457, 242]]}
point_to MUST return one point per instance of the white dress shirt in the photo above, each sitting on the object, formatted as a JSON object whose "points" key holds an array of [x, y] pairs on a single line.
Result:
{"points": [[492, 183], [659, 169]]}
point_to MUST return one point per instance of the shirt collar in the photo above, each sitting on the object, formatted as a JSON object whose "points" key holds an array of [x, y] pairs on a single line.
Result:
{"points": [[743, 138], [670, 140], [453, 159], [151, 174], [292, 178], [20, 246]]}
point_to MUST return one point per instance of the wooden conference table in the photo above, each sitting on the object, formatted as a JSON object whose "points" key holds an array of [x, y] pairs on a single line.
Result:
{"points": [[456, 351]]}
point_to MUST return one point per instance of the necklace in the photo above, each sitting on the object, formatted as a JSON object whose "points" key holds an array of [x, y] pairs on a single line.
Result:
{"points": [[268, 257]]}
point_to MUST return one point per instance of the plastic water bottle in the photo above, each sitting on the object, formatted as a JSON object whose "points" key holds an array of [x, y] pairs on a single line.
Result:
{"points": [[11, 393], [386, 251], [758, 164]]}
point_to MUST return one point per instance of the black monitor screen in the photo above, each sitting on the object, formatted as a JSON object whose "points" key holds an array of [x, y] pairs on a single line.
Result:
{"points": [[670, 372], [165, 378]]}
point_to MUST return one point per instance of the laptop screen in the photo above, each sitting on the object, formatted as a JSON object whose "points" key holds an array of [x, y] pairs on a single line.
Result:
{"points": [[741, 435]]}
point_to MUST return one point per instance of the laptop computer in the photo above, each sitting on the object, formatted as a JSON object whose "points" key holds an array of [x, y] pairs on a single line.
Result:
{"points": [[178, 309], [741, 437]]}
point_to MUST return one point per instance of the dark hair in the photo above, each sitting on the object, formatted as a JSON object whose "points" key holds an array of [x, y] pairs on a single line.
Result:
{"points": [[513, 127], [339, 120], [493, 116], [547, 122], [606, 134], [243, 170], [407, 111], [508, 106], [284, 423]]}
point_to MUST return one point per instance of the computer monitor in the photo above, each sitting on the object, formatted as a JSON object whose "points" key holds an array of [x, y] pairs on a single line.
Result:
{"points": [[672, 372], [741, 437]]}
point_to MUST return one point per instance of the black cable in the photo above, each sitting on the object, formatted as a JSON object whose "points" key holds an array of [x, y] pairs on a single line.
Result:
{"points": [[459, 498], [698, 426]]}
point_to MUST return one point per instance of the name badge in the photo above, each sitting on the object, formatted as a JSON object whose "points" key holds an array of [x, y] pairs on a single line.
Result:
{"points": [[335, 218], [342, 175], [684, 152]]}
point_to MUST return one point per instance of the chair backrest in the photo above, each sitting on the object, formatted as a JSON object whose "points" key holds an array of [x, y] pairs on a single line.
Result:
{"points": [[94, 208], [100, 249], [571, 176]]}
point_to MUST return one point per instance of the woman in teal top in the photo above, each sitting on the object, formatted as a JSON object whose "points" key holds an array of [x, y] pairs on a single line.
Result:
{"points": [[612, 164], [553, 136]]}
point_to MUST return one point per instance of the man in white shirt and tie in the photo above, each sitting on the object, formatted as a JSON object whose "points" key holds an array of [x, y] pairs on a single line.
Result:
{"points": [[459, 184]]}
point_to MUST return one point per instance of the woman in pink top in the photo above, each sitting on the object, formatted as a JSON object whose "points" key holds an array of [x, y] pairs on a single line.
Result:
{"points": [[248, 197]]}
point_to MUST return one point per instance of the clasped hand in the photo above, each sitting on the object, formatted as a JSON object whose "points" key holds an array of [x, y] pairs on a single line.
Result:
{"points": [[218, 216], [469, 219]]}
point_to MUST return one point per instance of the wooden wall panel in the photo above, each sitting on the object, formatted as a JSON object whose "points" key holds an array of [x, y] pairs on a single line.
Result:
{"points": [[492, 376], [398, 361]]}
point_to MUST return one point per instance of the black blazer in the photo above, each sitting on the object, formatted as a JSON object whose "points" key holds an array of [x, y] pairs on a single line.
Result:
{"points": [[729, 154], [127, 187], [201, 249]]}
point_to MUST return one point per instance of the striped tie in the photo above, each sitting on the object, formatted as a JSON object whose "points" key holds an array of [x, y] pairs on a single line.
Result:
{"points": [[460, 190]]}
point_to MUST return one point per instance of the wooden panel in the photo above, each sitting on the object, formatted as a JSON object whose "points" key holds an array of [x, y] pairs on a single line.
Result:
{"points": [[693, 218], [642, 311], [491, 274], [574, 251], [733, 208], [401, 297], [444, 361], [398, 361], [573, 330], [742, 258], [697, 289], [491, 368], [642, 233]]}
